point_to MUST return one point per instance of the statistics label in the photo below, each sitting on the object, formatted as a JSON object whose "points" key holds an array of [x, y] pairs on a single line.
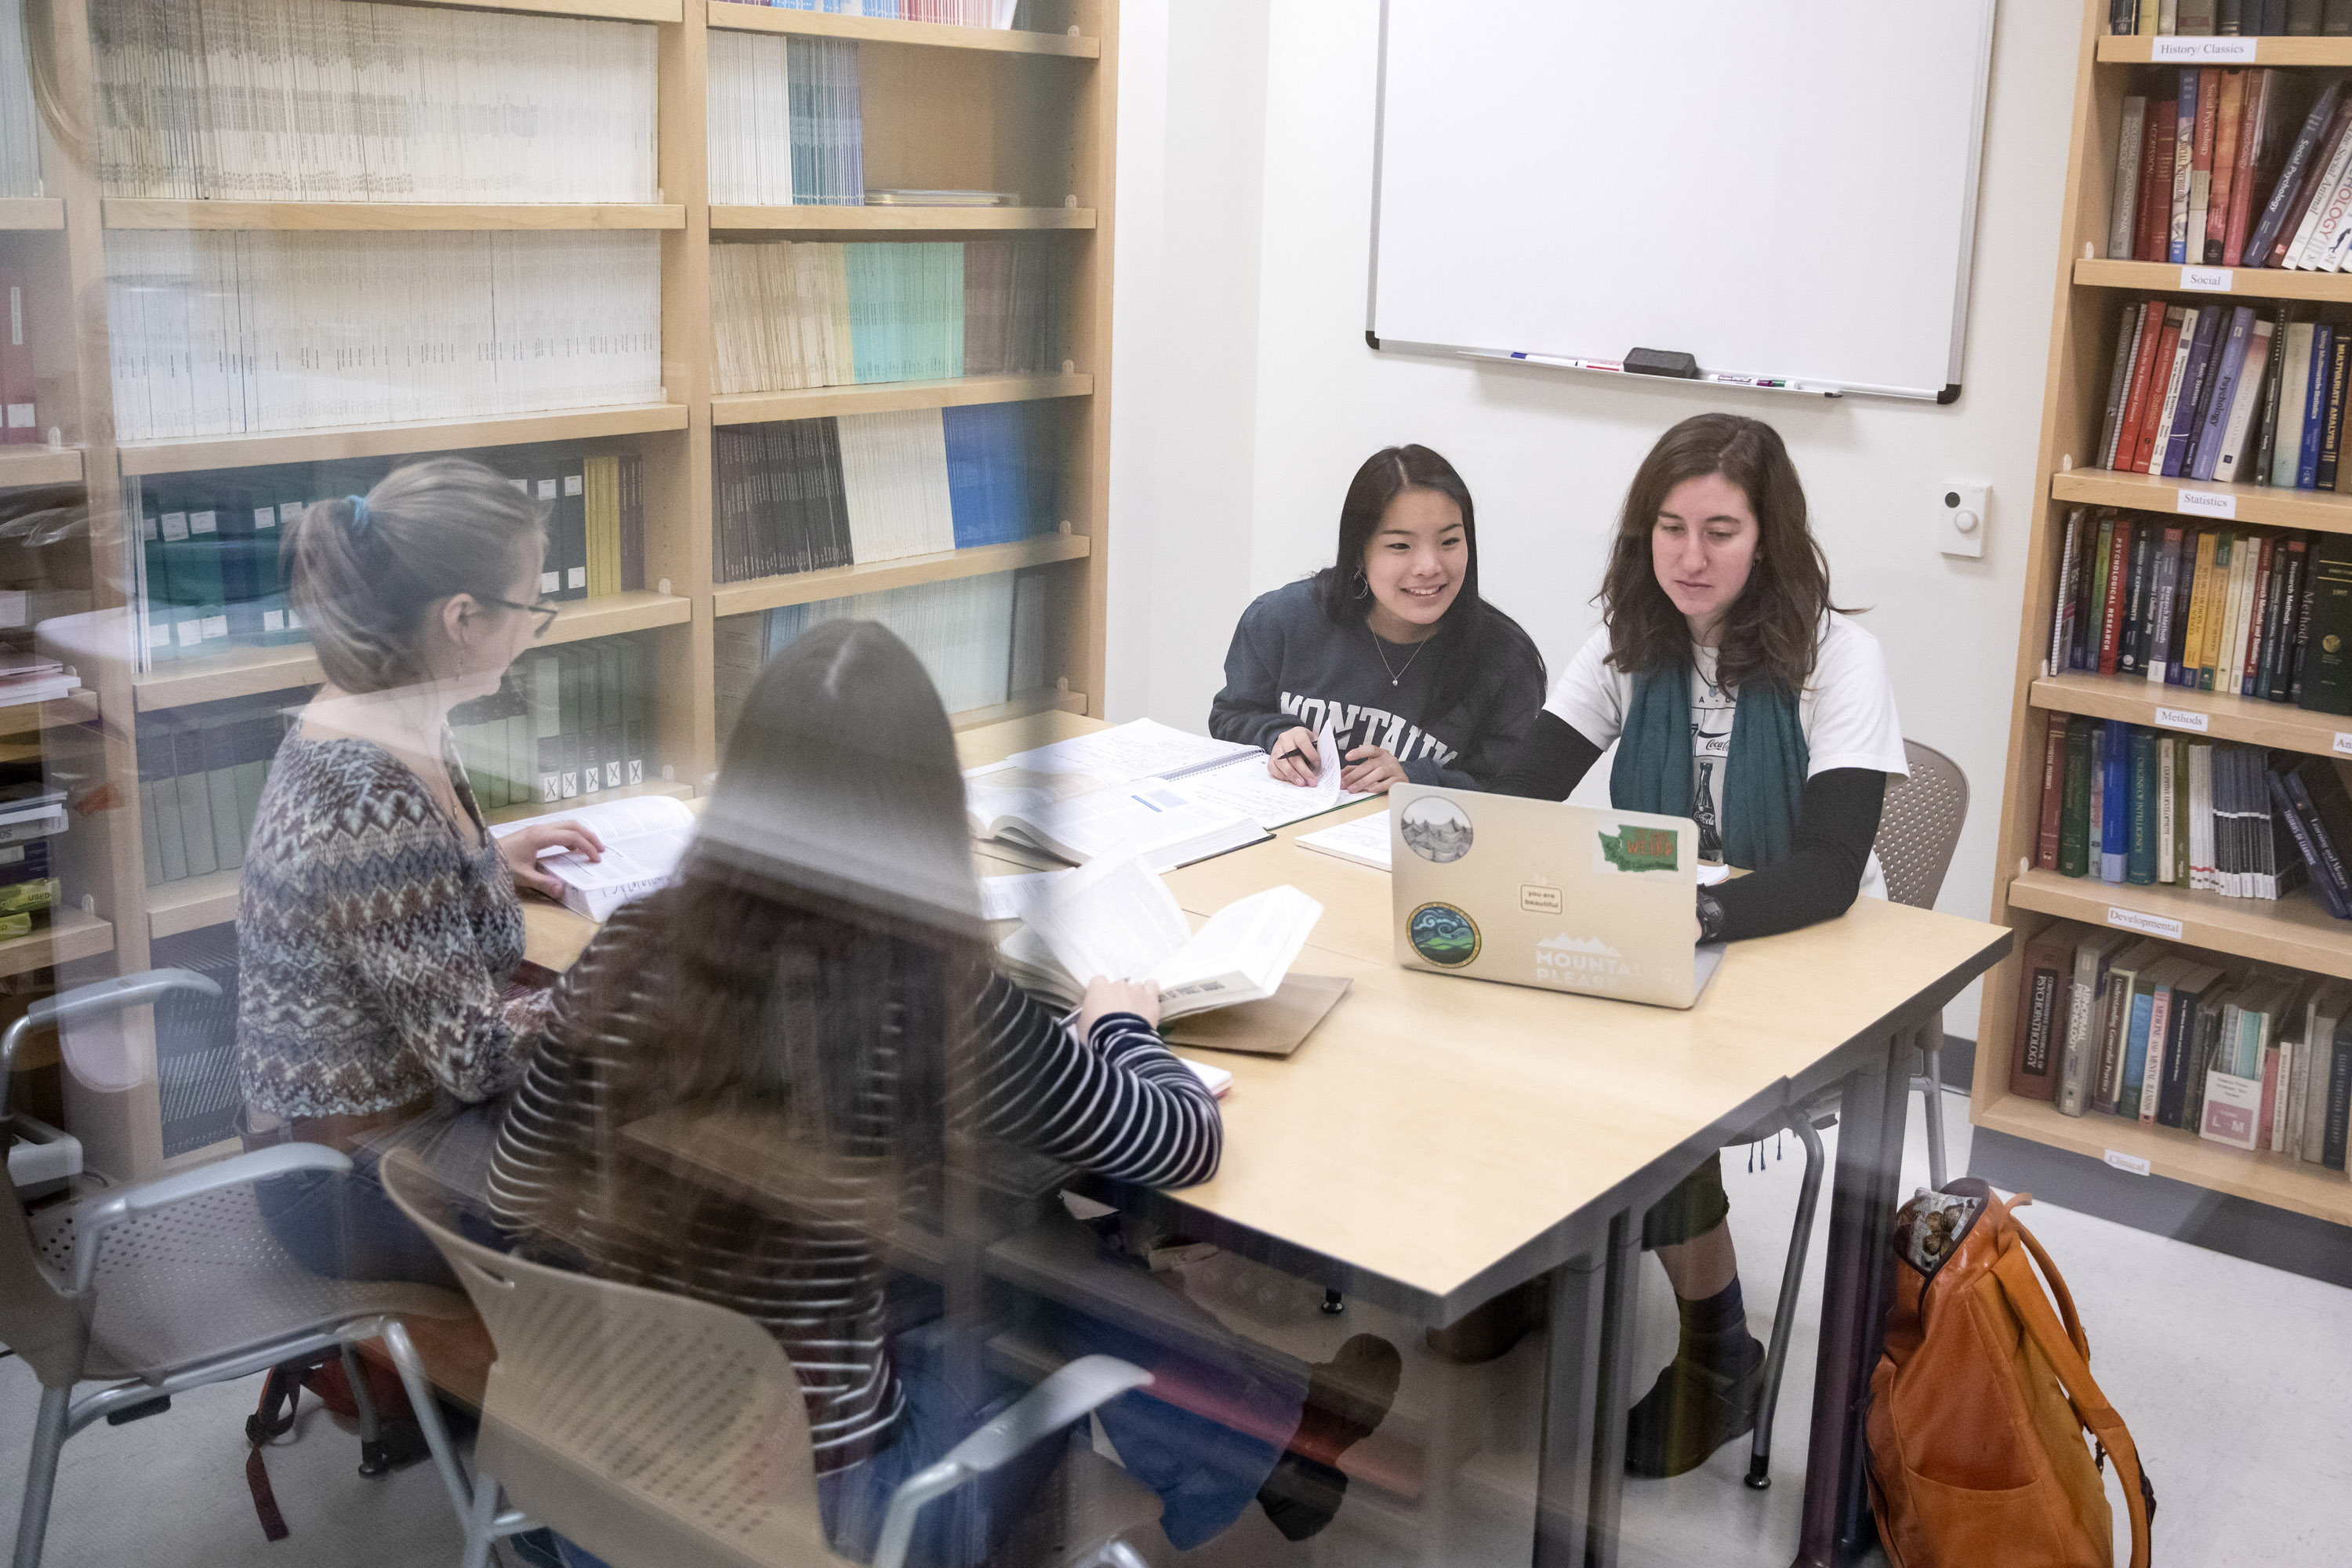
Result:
{"points": [[2131, 1163], [2145, 924], [2206, 279], [2202, 51], [2205, 503], [2180, 719]]}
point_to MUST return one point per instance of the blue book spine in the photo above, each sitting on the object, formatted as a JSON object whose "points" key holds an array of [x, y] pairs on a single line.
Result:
{"points": [[2314, 405], [2140, 868], [2143, 1010], [2195, 389], [2115, 808], [2211, 433], [2188, 123]]}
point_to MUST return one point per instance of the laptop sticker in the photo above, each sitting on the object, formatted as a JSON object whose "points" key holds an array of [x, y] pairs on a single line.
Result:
{"points": [[1539, 900], [1584, 961], [1442, 934], [1436, 829], [1635, 849]]}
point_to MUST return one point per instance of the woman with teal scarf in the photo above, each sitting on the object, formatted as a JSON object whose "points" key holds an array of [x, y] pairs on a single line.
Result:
{"points": [[1738, 696]]}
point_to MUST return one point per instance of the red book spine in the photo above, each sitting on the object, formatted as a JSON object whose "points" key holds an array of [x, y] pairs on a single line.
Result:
{"points": [[2159, 388], [2209, 124], [2252, 120], [2156, 182], [2225, 162], [22, 418], [2053, 791], [2151, 322], [2256, 611], [2111, 621]]}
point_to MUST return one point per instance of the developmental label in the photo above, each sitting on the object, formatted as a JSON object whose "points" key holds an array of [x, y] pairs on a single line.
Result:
{"points": [[2202, 51], [2131, 1163], [2179, 718], [2206, 279], [2205, 503], [2145, 924]]}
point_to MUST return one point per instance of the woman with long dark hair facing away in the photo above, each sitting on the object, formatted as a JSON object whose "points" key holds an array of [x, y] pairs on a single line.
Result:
{"points": [[1740, 698], [1391, 647], [377, 926], [820, 966]]}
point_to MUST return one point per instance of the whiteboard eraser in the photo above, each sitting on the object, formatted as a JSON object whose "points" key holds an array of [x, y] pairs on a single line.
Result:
{"points": [[1661, 362]]}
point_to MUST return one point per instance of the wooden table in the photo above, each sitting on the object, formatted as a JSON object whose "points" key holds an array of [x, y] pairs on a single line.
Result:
{"points": [[1439, 1140]]}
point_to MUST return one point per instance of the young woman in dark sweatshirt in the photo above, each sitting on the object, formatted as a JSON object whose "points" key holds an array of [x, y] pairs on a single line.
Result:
{"points": [[1390, 646]]}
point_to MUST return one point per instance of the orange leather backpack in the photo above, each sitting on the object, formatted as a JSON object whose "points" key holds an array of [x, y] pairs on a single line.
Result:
{"points": [[1979, 1402]]}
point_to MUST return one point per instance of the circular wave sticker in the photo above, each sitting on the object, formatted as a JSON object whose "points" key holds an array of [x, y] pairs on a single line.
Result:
{"points": [[1436, 829], [1442, 934]]}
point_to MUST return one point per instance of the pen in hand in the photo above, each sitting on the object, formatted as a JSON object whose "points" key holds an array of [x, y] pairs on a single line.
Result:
{"points": [[1297, 758]]}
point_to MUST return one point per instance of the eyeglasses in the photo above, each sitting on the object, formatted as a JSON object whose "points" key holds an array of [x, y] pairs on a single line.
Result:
{"points": [[542, 609]]}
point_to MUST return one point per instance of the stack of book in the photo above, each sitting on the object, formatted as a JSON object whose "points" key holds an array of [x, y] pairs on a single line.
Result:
{"points": [[569, 723], [784, 124], [20, 140], [294, 100], [2125, 804], [820, 313], [980, 639], [201, 770], [804, 494], [2260, 613], [210, 574], [2164, 1035], [30, 678], [954, 13], [219, 334], [2231, 18]]}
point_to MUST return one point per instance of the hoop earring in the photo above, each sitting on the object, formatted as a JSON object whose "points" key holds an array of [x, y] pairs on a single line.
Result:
{"points": [[1363, 583]]}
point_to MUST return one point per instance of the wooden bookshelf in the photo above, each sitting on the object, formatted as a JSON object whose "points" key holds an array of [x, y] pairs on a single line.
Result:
{"points": [[2324, 512], [2244, 282], [1027, 705], [591, 10], [927, 220], [32, 213], [124, 212], [873, 577], [2293, 932], [197, 454], [735, 18], [40, 465], [2274, 52], [71, 935], [74, 707], [890, 396]]}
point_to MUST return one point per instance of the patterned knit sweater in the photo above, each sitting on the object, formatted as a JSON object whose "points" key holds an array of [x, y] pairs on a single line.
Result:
{"points": [[812, 1275], [373, 944]]}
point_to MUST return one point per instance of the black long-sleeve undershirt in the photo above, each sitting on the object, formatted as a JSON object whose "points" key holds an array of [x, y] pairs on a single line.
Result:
{"points": [[1837, 820]]}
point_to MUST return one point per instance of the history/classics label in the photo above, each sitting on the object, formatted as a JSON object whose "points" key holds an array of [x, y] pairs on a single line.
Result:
{"points": [[2205, 503], [2145, 924], [2206, 279], [2180, 719], [2199, 51], [2131, 1163]]}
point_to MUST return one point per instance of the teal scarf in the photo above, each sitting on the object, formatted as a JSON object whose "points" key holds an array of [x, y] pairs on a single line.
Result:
{"points": [[1763, 778]]}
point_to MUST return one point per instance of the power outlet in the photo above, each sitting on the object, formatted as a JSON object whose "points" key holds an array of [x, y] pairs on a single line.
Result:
{"points": [[1960, 519]]}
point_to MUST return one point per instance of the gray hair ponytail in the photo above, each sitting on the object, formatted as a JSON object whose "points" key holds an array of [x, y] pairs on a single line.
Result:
{"points": [[363, 571]]}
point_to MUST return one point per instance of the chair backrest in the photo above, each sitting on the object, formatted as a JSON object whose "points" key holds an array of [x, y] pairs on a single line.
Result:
{"points": [[648, 1427], [1920, 826]]}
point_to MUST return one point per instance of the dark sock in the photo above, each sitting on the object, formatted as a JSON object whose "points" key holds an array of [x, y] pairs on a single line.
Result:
{"points": [[1715, 1331]]}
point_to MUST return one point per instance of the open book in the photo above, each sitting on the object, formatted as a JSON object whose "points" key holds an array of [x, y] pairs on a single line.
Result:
{"points": [[1116, 917], [644, 837]]}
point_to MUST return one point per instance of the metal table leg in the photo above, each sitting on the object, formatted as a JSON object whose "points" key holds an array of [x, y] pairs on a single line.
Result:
{"points": [[1564, 1465], [1838, 1527], [1621, 1279]]}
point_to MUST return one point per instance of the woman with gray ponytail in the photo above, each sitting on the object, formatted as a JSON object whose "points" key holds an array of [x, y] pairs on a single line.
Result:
{"points": [[377, 922]]}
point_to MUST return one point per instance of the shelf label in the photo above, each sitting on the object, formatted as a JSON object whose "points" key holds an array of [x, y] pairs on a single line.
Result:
{"points": [[2202, 51], [2205, 503], [2180, 719], [2130, 1162], [2206, 279], [2344, 743], [2145, 924]]}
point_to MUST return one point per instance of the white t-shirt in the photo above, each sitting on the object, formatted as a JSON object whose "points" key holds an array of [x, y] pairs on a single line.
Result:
{"points": [[1846, 711]]}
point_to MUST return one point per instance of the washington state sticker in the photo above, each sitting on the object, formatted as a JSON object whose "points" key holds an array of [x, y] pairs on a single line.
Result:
{"points": [[1637, 847]]}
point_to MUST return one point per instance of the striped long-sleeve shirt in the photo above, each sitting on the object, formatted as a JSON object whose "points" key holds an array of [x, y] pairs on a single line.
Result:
{"points": [[810, 1267]]}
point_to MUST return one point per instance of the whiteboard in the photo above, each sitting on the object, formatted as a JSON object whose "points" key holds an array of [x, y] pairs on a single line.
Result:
{"points": [[1782, 188]]}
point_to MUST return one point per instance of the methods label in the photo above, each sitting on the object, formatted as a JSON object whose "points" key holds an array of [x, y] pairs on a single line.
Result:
{"points": [[2180, 719]]}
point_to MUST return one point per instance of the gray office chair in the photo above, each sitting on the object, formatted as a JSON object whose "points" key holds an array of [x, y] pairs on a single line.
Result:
{"points": [[1918, 828], [170, 1285]]}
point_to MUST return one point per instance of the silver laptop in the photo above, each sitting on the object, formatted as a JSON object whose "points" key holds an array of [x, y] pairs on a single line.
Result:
{"points": [[1537, 892]]}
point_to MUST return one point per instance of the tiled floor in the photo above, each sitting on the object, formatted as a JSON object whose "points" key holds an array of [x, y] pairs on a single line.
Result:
{"points": [[2236, 1380]]}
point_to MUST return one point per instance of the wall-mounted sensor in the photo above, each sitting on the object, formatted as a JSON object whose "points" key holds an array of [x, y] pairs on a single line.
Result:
{"points": [[1960, 519]]}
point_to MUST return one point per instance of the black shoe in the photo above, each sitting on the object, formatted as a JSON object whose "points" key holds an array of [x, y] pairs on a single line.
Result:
{"points": [[1301, 1496], [1491, 1331], [1348, 1397], [1692, 1410]]}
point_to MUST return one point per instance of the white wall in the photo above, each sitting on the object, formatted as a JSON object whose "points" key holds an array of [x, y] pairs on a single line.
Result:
{"points": [[1233, 438]]}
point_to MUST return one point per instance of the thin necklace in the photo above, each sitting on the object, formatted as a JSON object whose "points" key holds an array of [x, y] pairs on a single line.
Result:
{"points": [[1394, 675]]}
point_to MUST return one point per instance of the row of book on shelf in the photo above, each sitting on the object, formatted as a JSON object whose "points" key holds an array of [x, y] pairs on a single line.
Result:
{"points": [[210, 573], [2222, 392], [2238, 169], [789, 315], [347, 102], [2110, 1023], [236, 333], [785, 122], [998, 14], [2230, 18], [802, 495], [2245, 612]]}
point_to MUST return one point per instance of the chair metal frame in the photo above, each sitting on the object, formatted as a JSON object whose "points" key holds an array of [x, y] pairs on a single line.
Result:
{"points": [[61, 1415]]}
